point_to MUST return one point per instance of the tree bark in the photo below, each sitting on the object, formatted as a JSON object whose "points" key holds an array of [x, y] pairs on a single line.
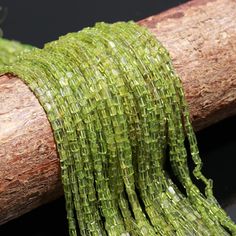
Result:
{"points": [[201, 38]]}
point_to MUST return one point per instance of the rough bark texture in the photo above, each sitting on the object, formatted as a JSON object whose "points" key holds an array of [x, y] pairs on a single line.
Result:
{"points": [[29, 165], [201, 38]]}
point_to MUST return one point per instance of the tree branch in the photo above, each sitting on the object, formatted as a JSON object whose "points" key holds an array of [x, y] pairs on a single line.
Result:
{"points": [[201, 38]]}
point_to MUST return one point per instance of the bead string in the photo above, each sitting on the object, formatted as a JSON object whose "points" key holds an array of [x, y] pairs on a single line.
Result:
{"points": [[118, 112], [10, 50]]}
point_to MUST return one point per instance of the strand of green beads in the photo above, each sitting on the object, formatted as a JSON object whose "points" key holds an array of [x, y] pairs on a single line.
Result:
{"points": [[153, 69], [74, 147], [132, 188], [150, 118], [195, 152], [171, 96], [180, 131], [112, 101], [91, 195], [180, 141], [122, 87], [169, 207], [44, 88], [114, 174], [141, 94], [71, 46], [215, 209], [10, 50], [60, 135], [114, 225]]}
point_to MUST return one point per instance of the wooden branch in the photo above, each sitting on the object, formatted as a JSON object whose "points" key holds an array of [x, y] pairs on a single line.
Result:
{"points": [[201, 38]]}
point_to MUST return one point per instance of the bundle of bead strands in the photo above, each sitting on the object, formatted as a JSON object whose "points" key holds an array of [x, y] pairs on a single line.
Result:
{"points": [[118, 111]]}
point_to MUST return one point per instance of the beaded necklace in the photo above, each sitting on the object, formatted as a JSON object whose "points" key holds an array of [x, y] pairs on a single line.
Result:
{"points": [[118, 112]]}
